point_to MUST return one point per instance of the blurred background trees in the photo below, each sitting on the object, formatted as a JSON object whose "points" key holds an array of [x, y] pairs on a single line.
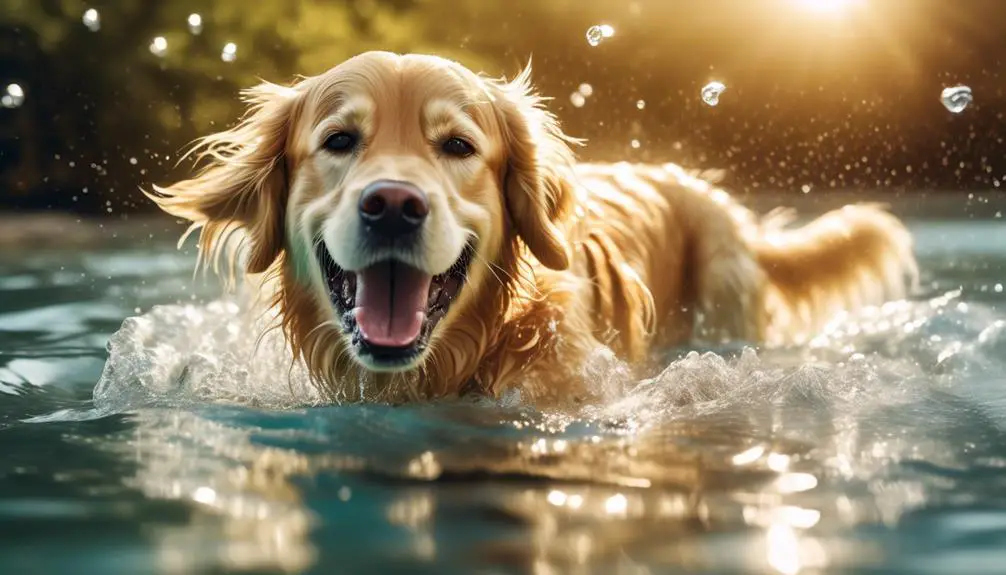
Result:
{"points": [[814, 101]]}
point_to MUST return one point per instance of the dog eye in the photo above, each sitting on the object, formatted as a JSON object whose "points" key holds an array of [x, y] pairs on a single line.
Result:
{"points": [[457, 147], [340, 142]]}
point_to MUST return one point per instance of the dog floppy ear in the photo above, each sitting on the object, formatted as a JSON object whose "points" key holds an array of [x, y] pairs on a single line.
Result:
{"points": [[243, 186], [537, 186]]}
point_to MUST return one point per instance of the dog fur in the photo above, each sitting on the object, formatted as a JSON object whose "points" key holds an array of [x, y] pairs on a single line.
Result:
{"points": [[569, 257]]}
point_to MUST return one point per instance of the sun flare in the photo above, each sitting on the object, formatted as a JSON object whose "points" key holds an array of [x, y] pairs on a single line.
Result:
{"points": [[828, 6]]}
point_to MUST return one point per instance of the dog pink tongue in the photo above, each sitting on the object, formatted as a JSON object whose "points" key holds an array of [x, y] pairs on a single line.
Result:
{"points": [[391, 303]]}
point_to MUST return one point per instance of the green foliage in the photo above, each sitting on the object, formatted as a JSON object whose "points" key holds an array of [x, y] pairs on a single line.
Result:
{"points": [[115, 106]]}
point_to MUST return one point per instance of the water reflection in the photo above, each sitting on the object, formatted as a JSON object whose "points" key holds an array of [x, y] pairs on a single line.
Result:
{"points": [[779, 461]]}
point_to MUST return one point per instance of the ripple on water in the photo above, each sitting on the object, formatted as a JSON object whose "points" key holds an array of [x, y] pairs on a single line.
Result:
{"points": [[865, 426]]}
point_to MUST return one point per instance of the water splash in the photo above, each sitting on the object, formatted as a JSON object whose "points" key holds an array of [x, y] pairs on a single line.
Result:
{"points": [[91, 20], [195, 23], [579, 97], [159, 46], [598, 33], [13, 96], [778, 441], [229, 52], [711, 93], [956, 98], [186, 354]]}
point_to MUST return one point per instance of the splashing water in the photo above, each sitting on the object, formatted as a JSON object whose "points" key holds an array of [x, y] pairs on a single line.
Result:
{"points": [[92, 20], [579, 97], [159, 46], [181, 354], [711, 93], [229, 52], [597, 33], [880, 444], [956, 98], [13, 96], [195, 23]]}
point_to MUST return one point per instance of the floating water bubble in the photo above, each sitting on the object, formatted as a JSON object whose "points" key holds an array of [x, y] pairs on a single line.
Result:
{"points": [[13, 97], [711, 93], [195, 23], [577, 99], [230, 52], [597, 33], [159, 46], [640, 104], [586, 89], [957, 98], [92, 20]]}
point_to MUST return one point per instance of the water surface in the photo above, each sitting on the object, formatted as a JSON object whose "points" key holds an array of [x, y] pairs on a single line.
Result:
{"points": [[878, 448]]}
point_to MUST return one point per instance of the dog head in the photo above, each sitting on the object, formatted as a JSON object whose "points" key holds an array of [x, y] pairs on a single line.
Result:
{"points": [[391, 195]]}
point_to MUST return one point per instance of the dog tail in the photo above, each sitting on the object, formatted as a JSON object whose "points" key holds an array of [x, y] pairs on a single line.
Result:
{"points": [[847, 259]]}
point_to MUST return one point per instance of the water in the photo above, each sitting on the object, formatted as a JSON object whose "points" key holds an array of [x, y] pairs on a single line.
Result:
{"points": [[956, 98], [195, 23], [13, 96], [229, 53], [159, 46], [880, 447], [92, 19], [597, 33], [711, 93]]}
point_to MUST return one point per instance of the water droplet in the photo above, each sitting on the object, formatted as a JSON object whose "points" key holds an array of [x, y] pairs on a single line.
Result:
{"points": [[956, 98], [640, 104], [577, 99], [159, 46], [999, 288], [711, 93], [635, 144], [230, 52], [92, 20], [132, 161], [195, 23], [586, 89], [597, 33], [13, 97], [805, 188]]}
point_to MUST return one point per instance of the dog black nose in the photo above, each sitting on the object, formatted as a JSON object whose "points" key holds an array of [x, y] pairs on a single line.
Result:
{"points": [[393, 208]]}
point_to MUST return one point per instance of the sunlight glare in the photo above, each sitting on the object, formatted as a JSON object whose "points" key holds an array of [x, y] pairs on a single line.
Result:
{"points": [[828, 6]]}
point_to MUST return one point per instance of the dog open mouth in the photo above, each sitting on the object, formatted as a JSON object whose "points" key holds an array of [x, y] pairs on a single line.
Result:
{"points": [[390, 308]]}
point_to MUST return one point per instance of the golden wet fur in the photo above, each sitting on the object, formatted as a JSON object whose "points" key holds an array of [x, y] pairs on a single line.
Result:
{"points": [[570, 257]]}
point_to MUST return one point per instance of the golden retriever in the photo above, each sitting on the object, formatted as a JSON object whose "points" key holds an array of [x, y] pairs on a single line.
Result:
{"points": [[427, 231]]}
